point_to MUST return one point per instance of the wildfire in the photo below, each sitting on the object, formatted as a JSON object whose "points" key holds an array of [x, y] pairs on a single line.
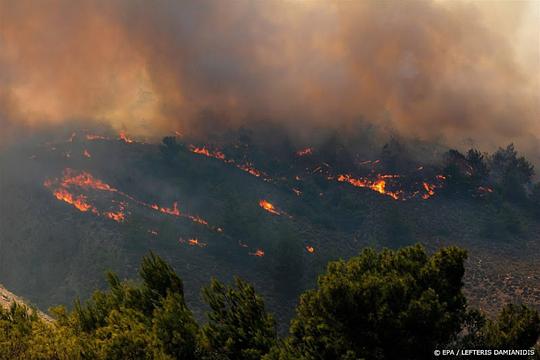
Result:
{"points": [[216, 154], [79, 202], [378, 185], [250, 169], [122, 136], [204, 151], [269, 207], [116, 216], [192, 242], [171, 211], [258, 253], [199, 220], [430, 190], [86, 181], [310, 249], [305, 152]]}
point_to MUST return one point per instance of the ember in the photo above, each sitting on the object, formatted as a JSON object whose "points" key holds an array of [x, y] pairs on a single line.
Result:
{"points": [[258, 253], [269, 207], [305, 152], [116, 216], [122, 136]]}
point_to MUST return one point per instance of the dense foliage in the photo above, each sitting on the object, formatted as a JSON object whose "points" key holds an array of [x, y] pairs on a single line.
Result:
{"points": [[378, 305]]}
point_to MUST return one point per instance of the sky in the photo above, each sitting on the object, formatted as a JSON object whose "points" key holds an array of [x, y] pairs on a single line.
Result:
{"points": [[459, 72]]}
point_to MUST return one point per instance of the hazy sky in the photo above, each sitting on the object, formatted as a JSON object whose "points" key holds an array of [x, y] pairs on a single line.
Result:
{"points": [[451, 70]]}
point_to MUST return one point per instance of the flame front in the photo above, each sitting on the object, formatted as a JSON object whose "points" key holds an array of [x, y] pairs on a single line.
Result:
{"points": [[378, 185], [86, 181], [269, 207], [79, 202]]}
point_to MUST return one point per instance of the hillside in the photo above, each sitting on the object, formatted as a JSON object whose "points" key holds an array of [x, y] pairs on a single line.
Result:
{"points": [[273, 214]]}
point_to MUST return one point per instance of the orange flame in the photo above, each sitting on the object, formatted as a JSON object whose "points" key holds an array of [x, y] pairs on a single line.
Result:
{"points": [[192, 242], [378, 185], [258, 253], [116, 216], [310, 249], [204, 151], [250, 169], [85, 180], [79, 202], [430, 190], [269, 207], [171, 211], [122, 136]]}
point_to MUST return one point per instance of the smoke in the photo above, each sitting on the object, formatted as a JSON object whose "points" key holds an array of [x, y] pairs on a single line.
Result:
{"points": [[446, 71]]}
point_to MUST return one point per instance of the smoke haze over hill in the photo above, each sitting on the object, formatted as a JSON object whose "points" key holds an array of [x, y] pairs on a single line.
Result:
{"points": [[445, 71]]}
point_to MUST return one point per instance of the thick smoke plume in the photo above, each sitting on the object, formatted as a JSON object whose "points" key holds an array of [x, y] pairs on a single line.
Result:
{"points": [[444, 70]]}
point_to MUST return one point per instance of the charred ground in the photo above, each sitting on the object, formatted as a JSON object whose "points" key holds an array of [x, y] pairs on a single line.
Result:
{"points": [[263, 207]]}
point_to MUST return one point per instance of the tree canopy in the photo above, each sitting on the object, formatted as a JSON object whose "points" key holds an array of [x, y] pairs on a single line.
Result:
{"points": [[385, 304]]}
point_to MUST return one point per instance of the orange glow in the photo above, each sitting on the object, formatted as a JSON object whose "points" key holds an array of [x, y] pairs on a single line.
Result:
{"points": [[258, 253], [116, 216], [216, 154], [198, 220], [249, 169], [204, 151], [195, 242], [171, 211], [192, 242], [79, 202], [305, 152], [122, 136], [430, 190], [86, 181], [378, 185], [310, 249], [269, 207]]}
